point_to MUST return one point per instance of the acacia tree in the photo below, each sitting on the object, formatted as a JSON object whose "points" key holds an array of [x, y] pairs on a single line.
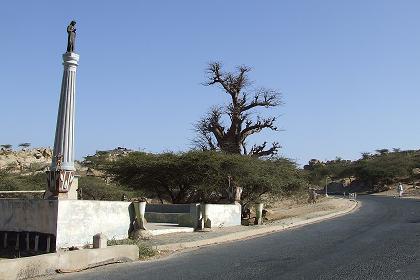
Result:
{"points": [[25, 145], [242, 118], [382, 151], [197, 176], [7, 147]]}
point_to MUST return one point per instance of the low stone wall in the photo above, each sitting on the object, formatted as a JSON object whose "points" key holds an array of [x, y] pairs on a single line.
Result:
{"points": [[28, 215], [224, 215], [79, 220], [69, 222], [168, 208], [172, 218], [188, 215], [65, 223]]}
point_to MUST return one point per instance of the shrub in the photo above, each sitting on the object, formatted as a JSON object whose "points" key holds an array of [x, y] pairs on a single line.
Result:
{"points": [[94, 188]]}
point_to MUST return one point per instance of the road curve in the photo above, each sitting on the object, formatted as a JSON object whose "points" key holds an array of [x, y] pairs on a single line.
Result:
{"points": [[381, 240]]}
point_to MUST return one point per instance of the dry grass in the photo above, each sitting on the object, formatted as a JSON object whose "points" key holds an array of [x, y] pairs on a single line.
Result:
{"points": [[289, 208], [145, 250]]}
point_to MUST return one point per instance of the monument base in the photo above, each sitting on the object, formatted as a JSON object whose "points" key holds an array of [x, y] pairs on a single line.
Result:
{"points": [[55, 183], [72, 193], [61, 223]]}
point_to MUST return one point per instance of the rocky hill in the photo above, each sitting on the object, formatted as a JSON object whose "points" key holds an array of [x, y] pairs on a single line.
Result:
{"points": [[26, 160], [37, 160]]}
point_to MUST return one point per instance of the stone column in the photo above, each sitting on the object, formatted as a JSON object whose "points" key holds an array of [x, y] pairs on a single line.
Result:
{"points": [[61, 176], [258, 213]]}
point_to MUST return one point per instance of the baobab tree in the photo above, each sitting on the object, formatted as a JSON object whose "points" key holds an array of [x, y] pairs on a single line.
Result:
{"points": [[227, 128]]}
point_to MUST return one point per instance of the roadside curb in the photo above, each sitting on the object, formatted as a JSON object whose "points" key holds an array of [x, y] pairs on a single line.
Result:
{"points": [[254, 232], [395, 197], [65, 261]]}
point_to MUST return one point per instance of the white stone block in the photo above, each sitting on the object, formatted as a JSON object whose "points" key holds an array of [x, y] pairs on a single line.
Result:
{"points": [[223, 215], [100, 241]]}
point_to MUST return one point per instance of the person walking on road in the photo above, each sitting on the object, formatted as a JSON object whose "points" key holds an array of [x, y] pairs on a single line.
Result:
{"points": [[400, 189]]}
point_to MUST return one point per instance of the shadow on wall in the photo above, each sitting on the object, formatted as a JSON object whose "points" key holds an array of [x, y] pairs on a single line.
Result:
{"points": [[23, 244]]}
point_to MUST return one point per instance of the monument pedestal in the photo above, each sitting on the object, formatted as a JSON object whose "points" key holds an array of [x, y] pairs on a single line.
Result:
{"points": [[72, 193], [62, 223]]}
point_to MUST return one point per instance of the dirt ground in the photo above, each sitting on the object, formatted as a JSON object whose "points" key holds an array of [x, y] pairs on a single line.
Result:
{"points": [[409, 192], [286, 213], [289, 208]]}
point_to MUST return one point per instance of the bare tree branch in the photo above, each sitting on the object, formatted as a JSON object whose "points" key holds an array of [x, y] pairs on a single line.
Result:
{"points": [[259, 125], [214, 123], [208, 127], [260, 151], [215, 76], [210, 130], [264, 98], [231, 83]]}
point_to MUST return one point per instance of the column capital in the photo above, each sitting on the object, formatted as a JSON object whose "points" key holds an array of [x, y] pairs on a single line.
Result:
{"points": [[70, 59]]}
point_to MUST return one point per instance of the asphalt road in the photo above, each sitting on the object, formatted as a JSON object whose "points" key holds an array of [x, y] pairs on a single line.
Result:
{"points": [[381, 240]]}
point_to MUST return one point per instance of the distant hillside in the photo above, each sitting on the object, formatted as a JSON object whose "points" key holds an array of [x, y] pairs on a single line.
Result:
{"points": [[373, 172], [26, 160]]}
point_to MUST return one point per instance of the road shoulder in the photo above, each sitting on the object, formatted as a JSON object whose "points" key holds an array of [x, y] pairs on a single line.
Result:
{"points": [[307, 214]]}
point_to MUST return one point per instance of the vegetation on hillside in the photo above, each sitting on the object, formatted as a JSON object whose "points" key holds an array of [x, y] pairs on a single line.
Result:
{"points": [[93, 188], [205, 176], [16, 182], [375, 171]]}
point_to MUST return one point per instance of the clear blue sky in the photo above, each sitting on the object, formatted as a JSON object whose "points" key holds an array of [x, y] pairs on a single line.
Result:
{"points": [[349, 71]]}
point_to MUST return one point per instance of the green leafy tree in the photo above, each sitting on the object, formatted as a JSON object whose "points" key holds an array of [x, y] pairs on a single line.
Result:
{"points": [[384, 169]]}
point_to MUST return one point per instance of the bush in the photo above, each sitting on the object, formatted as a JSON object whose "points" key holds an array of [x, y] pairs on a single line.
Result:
{"points": [[17, 182], [94, 188]]}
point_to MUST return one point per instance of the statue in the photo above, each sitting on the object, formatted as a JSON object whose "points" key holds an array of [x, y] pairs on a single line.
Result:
{"points": [[71, 39]]}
